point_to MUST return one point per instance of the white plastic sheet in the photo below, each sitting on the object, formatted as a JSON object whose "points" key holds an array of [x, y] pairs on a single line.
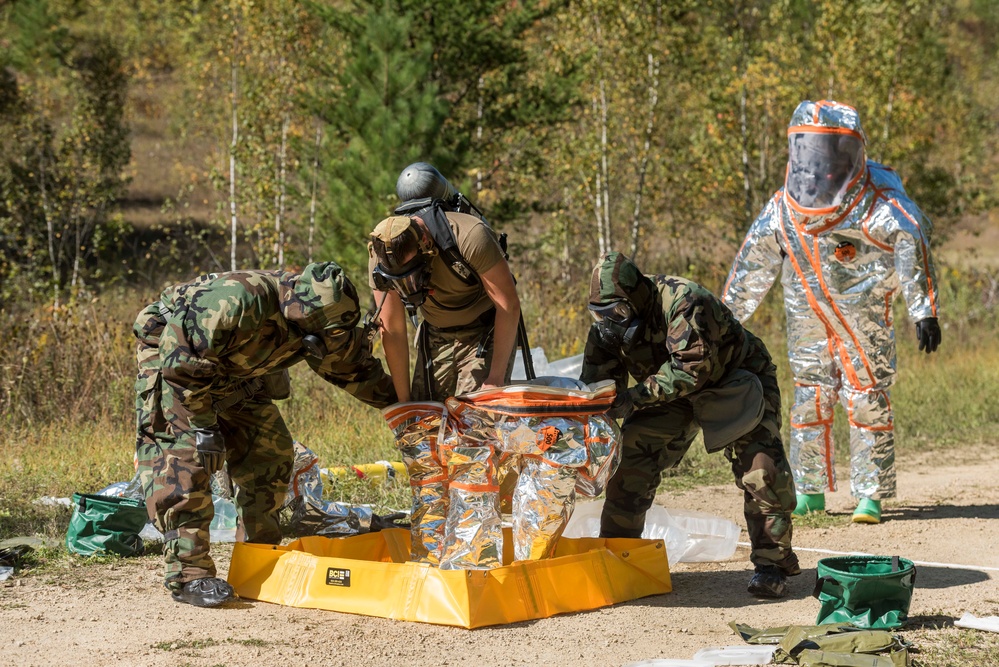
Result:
{"points": [[669, 662], [690, 536], [569, 367], [969, 620], [736, 655], [222, 528]]}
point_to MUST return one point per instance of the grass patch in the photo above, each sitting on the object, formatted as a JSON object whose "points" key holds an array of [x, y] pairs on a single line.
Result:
{"points": [[13, 605], [55, 565], [185, 644], [822, 520], [697, 468], [253, 641], [954, 647]]}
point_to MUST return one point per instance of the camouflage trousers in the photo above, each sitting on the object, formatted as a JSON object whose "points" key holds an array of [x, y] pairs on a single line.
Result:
{"points": [[452, 362], [259, 458], [656, 439]]}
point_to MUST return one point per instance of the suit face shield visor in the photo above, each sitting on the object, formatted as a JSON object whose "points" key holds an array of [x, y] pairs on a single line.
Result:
{"points": [[821, 167], [411, 280]]}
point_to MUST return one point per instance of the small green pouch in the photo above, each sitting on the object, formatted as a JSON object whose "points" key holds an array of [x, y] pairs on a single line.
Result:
{"points": [[867, 591], [106, 525]]}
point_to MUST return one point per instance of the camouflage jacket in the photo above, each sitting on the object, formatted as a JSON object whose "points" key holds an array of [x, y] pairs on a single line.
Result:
{"points": [[224, 329], [690, 342]]}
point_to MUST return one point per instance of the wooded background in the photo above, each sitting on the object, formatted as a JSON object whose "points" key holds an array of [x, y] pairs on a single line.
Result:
{"points": [[143, 141]]}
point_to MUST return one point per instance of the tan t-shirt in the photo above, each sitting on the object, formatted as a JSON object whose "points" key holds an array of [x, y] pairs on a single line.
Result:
{"points": [[451, 302]]}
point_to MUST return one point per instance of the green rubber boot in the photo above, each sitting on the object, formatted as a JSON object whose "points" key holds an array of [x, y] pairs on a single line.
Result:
{"points": [[868, 511], [810, 502]]}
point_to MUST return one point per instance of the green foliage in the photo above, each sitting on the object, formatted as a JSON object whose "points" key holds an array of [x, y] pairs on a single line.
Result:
{"points": [[415, 87], [64, 146], [651, 127], [387, 114]]}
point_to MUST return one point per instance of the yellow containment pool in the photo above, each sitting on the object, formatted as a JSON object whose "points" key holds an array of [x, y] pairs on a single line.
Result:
{"points": [[370, 574]]}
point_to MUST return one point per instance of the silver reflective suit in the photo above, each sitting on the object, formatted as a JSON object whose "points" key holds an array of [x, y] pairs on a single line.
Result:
{"points": [[844, 258]]}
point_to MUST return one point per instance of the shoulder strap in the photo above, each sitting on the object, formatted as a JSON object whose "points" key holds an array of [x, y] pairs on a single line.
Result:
{"points": [[431, 211]]}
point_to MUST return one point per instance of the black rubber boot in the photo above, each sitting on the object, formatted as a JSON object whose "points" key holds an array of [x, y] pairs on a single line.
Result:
{"points": [[768, 582], [207, 592]]}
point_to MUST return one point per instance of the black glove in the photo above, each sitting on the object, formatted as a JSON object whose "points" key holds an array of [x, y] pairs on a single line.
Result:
{"points": [[928, 333], [394, 520], [211, 449], [623, 406]]}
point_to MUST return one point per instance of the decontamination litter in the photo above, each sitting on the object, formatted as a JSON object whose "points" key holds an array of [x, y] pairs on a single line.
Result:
{"points": [[459, 565]]}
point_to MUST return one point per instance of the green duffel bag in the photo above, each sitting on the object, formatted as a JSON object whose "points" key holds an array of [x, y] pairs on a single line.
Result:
{"points": [[867, 591], [106, 525]]}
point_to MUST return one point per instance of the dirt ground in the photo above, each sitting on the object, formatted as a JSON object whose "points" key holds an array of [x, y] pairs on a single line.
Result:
{"points": [[119, 614]]}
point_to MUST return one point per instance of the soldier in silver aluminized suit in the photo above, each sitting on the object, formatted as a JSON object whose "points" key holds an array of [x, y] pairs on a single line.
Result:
{"points": [[848, 239]]}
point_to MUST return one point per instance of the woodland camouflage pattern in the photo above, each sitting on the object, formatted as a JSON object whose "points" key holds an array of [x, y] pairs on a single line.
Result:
{"points": [[213, 340], [690, 342]]}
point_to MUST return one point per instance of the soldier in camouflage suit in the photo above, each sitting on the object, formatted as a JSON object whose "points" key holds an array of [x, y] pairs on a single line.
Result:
{"points": [[211, 356], [696, 367]]}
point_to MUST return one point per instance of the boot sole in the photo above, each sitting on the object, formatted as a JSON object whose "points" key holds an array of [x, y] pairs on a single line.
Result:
{"points": [[767, 593], [200, 603]]}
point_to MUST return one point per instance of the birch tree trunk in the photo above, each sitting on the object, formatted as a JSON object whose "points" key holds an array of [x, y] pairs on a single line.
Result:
{"points": [[597, 208], [232, 165], [604, 181], [601, 196], [746, 187], [315, 184], [646, 149], [564, 272], [282, 188], [478, 132], [49, 226], [765, 146], [77, 248]]}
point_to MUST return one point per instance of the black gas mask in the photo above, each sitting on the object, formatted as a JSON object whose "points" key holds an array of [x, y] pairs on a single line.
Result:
{"points": [[411, 280], [618, 326]]}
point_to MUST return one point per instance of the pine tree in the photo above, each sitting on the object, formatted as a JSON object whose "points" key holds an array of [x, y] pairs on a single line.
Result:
{"points": [[387, 115]]}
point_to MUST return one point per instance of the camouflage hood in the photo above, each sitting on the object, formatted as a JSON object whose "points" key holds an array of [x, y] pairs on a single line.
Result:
{"points": [[616, 277], [320, 298]]}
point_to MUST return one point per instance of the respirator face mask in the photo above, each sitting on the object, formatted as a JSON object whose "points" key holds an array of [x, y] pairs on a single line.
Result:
{"points": [[411, 280], [617, 324]]}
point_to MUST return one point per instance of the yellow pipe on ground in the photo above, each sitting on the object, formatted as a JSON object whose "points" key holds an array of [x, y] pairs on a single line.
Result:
{"points": [[379, 471]]}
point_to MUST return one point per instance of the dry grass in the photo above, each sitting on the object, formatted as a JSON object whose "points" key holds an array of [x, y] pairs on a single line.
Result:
{"points": [[66, 420]]}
